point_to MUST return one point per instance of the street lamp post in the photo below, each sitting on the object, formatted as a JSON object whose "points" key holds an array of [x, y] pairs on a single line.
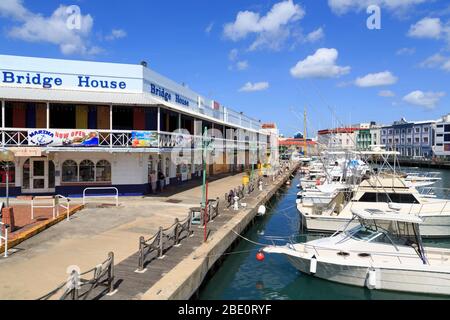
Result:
{"points": [[6, 156]]}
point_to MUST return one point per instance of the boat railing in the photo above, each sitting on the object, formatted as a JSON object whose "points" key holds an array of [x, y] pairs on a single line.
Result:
{"points": [[438, 207]]}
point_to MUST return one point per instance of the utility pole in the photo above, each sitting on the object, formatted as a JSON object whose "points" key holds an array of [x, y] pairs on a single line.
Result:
{"points": [[204, 190], [305, 133]]}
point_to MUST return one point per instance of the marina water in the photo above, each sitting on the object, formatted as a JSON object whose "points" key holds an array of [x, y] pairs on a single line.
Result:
{"points": [[242, 277]]}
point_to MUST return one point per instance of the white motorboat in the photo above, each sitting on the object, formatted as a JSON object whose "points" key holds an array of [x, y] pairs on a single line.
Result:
{"points": [[384, 251], [389, 195]]}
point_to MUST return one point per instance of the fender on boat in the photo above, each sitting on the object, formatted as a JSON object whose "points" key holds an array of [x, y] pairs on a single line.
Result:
{"points": [[372, 279], [313, 265]]}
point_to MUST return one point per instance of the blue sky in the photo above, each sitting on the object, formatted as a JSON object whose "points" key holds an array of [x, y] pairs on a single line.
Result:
{"points": [[269, 59]]}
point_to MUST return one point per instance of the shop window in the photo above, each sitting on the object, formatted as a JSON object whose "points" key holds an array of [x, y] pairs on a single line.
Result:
{"points": [[103, 171], [51, 174], [3, 170], [26, 175], [87, 171], [159, 164], [69, 171], [150, 164], [167, 168]]}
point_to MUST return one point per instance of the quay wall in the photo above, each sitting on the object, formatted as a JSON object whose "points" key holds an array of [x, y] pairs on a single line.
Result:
{"points": [[183, 281], [406, 162]]}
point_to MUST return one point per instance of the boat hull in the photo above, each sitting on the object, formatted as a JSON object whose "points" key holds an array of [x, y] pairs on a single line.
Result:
{"points": [[414, 281], [433, 226]]}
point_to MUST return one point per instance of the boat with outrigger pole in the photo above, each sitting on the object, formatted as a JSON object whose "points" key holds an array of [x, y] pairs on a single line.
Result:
{"points": [[384, 252]]}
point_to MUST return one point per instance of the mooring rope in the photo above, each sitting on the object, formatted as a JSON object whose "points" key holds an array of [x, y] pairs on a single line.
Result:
{"points": [[225, 254], [251, 241]]}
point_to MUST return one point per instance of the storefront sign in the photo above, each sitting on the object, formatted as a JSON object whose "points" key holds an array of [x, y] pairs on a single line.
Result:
{"points": [[144, 139], [37, 79], [63, 138], [26, 152], [167, 94]]}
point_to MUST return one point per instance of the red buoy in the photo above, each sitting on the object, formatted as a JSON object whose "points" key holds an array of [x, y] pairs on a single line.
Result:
{"points": [[260, 256]]}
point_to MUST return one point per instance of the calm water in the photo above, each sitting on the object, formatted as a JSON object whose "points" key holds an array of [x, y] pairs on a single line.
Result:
{"points": [[242, 277]]}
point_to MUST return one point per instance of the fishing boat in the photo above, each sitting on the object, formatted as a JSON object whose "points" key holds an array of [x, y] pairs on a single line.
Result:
{"points": [[384, 252], [388, 195]]}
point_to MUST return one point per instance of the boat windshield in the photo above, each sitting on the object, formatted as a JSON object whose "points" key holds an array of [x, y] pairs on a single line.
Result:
{"points": [[363, 233], [395, 233]]}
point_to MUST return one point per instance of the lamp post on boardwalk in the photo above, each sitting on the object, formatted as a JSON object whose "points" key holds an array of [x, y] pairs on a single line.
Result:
{"points": [[206, 144], [6, 156]]}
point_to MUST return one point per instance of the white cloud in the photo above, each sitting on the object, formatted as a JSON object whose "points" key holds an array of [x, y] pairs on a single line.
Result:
{"points": [[406, 51], [322, 64], [315, 35], [430, 28], [437, 61], [271, 30], [428, 100], [344, 6], [385, 78], [116, 34], [232, 56], [236, 64], [386, 94], [34, 27], [242, 65], [252, 87], [209, 28]]}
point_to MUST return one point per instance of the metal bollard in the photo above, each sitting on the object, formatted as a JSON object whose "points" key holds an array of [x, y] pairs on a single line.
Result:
{"points": [[236, 203]]}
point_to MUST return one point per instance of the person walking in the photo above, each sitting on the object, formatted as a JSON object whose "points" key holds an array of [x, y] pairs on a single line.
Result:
{"points": [[161, 179]]}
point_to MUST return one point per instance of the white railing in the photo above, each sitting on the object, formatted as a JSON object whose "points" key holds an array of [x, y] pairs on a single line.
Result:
{"points": [[4, 237], [65, 205], [438, 207], [13, 137], [45, 206], [115, 196]]}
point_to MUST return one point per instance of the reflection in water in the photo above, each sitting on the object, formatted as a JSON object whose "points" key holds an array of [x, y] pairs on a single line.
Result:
{"points": [[243, 277]]}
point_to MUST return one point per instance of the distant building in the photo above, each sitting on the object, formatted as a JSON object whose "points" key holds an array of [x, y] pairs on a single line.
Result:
{"points": [[410, 139], [442, 144], [367, 136], [298, 144], [338, 138]]}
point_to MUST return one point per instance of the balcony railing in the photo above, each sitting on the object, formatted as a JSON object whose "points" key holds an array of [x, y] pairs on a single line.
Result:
{"points": [[12, 137]]}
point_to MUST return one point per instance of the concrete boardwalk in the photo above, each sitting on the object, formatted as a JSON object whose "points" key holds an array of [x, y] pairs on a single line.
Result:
{"points": [[40, 263]]}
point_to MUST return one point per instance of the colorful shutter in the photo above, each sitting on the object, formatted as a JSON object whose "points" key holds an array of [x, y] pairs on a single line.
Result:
{"points": [[103, 118], [92, 117], [19, 115], [138, 119], [31, 115], [81, 117], [41, 116]]}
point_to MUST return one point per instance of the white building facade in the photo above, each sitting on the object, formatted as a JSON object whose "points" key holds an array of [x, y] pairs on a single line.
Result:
{"points": [[442, 144], [78, 124]]}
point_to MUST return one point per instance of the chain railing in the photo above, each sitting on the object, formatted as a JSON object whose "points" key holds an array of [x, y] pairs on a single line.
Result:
{"points": [[80, 287], [162, 241]]}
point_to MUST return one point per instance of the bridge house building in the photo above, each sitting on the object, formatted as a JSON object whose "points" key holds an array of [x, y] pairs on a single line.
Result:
{"points": [[79, 124]]}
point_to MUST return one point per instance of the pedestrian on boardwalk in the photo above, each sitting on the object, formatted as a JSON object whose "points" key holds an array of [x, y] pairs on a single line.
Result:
{"points": [[161, 178]]}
